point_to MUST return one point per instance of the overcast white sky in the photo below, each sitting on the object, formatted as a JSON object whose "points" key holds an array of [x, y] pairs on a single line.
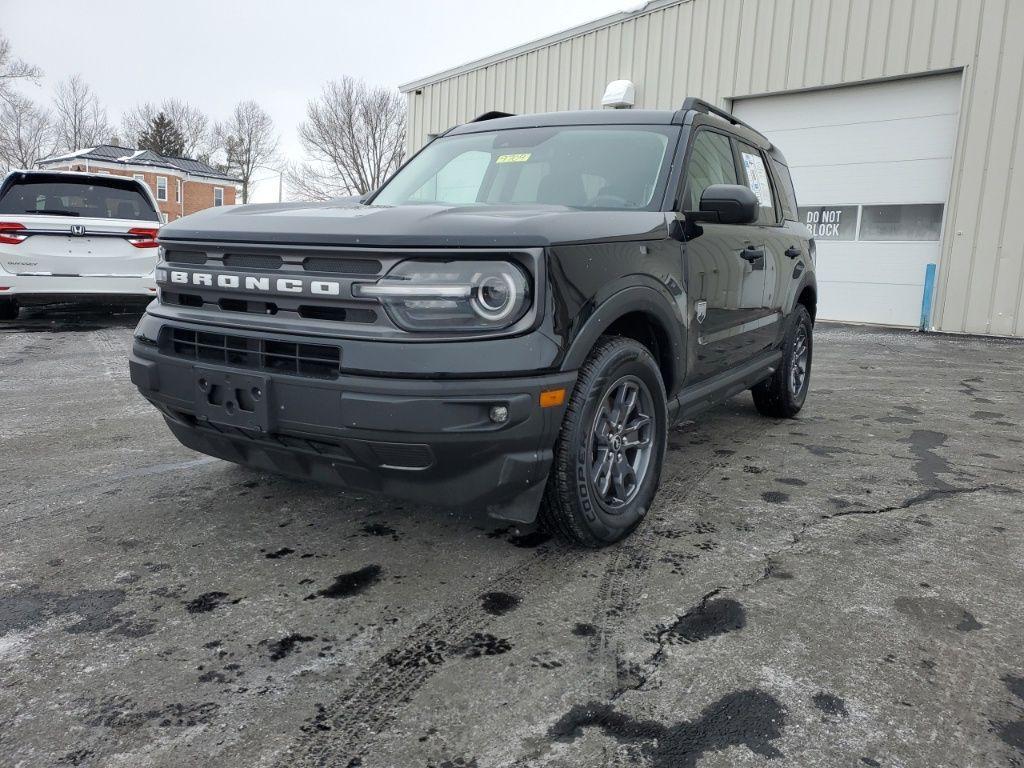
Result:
{"points": [[217, 52]]}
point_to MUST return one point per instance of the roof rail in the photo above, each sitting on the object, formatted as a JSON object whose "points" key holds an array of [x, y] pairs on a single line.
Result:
{"points": [[493, 115], [699, 105]]}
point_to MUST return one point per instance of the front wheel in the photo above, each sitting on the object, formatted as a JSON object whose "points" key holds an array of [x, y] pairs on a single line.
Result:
{"points": [[607, 461], [783, 395], [8, 309]]}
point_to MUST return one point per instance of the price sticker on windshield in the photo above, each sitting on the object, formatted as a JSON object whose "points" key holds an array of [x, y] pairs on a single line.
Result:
{"points": [[522, 157]]}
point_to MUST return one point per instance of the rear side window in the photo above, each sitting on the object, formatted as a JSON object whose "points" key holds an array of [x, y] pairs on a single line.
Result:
{"points": [[755, 176], [93, 198], [710, 162], [786, 191]]}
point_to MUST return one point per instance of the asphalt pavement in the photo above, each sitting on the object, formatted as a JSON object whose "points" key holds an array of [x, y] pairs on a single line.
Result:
{"points": [[843, 589]]}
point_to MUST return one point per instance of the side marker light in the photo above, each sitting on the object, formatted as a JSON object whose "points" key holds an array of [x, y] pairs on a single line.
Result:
{"points": [[551, 398]]}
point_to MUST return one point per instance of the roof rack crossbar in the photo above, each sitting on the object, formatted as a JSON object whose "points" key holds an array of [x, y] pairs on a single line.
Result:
{"points": [[699, 105]]}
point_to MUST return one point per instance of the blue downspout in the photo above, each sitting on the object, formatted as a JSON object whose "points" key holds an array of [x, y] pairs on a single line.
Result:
{"points": [[926, 300]]}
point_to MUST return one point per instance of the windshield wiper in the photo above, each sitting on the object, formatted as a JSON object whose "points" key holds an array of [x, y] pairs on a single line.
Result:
{"points": [[53, 213]]}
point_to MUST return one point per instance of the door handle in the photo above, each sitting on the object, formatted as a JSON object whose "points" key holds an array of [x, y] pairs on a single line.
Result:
{"points": [[752, 253], [793, 252]]}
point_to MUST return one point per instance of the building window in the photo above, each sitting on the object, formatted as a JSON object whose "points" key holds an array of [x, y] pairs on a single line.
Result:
{"points": [[177, 191], [877, 223], [139, 177], [901, 222], [218, 196]]}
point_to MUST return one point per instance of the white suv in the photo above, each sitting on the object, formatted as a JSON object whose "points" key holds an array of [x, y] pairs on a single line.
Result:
{"points": [[67, 235]]}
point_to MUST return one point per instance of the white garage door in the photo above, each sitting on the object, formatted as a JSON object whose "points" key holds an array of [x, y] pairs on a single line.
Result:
{"points": [[872, 166]]}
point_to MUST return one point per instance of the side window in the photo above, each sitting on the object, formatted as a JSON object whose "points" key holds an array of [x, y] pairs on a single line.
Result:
{"points": [[790, 212], [710, 162], [755, 176]]}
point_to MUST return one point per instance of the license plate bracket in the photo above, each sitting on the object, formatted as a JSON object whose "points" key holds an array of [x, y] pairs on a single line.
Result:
{"points": [[232, 399]]}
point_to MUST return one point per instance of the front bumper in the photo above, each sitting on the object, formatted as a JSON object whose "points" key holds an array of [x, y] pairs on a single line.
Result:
{"points": [[28, 286], [429, 441]]}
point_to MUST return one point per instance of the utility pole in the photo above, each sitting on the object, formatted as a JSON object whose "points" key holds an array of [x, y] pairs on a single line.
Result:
{"points": [[280, 180]]}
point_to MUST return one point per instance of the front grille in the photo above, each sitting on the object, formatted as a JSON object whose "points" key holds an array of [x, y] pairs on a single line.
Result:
{"points": [[182, 299], [244, 305], [185, 257], [252, 261], [337, 314], [342, 266], [317, 361], [403, 455], [242, 261]]}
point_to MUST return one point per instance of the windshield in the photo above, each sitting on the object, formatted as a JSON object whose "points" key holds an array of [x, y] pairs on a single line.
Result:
{"points": [[590, 167], [95, 198]]}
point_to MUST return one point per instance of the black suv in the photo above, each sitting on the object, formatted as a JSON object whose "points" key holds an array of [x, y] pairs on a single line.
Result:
{"points": [[512, 322]]}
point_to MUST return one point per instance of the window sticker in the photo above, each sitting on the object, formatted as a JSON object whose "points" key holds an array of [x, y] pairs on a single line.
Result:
{"points": [[757, 179], [522, 157]]}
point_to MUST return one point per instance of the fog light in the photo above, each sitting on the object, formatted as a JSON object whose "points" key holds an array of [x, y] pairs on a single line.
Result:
{"points": [[499, 414]]}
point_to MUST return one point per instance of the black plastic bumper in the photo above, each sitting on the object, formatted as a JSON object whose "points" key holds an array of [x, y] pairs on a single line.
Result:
{"points": [[427, 441]]}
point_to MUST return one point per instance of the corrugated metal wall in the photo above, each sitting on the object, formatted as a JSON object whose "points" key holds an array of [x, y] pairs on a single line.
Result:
{"points": [[726, 49]]}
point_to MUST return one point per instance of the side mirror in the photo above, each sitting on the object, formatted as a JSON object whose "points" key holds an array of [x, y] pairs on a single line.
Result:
{"points": [[727, 204]]}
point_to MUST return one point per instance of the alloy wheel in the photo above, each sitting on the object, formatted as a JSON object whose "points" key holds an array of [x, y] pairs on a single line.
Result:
{"points": [[622, 442], [801, 361]]}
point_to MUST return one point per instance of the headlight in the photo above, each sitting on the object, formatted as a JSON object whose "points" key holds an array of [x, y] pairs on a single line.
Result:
{"points": [[451, 296]]}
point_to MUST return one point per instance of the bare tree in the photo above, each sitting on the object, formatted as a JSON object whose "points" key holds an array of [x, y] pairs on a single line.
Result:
{"points": [[248, 141], [189, 120], [80, 119], [26, 133], [355, 138], [13, 70]]}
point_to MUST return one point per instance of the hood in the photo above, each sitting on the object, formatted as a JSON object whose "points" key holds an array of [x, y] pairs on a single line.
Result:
{"points": [[344, 223]]}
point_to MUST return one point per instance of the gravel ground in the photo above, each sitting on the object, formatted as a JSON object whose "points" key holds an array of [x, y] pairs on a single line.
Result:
{"points": [[839, 590]]}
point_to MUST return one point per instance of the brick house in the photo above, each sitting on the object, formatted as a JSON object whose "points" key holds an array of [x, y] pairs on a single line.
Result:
{"points": [[180, 185]]}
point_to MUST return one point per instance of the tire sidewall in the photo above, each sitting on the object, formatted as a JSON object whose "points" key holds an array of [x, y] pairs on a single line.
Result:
{"points": [[602, 522]]}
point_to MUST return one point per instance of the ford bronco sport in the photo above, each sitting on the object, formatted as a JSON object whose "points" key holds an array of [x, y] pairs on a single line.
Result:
{"points": [[513, 321]]}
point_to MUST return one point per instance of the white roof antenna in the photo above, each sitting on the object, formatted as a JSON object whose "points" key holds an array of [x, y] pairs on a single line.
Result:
{"points": [[620, 94]]}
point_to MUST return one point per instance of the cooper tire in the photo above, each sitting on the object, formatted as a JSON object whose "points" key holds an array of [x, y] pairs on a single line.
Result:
{"points": [[783, 395], [590, 499]]}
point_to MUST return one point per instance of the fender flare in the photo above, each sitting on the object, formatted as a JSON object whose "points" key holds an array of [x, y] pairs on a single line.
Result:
{"points": [[653, 301], [808, 280]]}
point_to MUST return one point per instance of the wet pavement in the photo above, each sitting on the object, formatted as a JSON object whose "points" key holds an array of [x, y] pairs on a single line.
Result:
{"points": [[844, 589]]}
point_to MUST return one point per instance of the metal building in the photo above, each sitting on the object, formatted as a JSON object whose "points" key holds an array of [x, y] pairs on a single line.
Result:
{"points": [[901, 120]]}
